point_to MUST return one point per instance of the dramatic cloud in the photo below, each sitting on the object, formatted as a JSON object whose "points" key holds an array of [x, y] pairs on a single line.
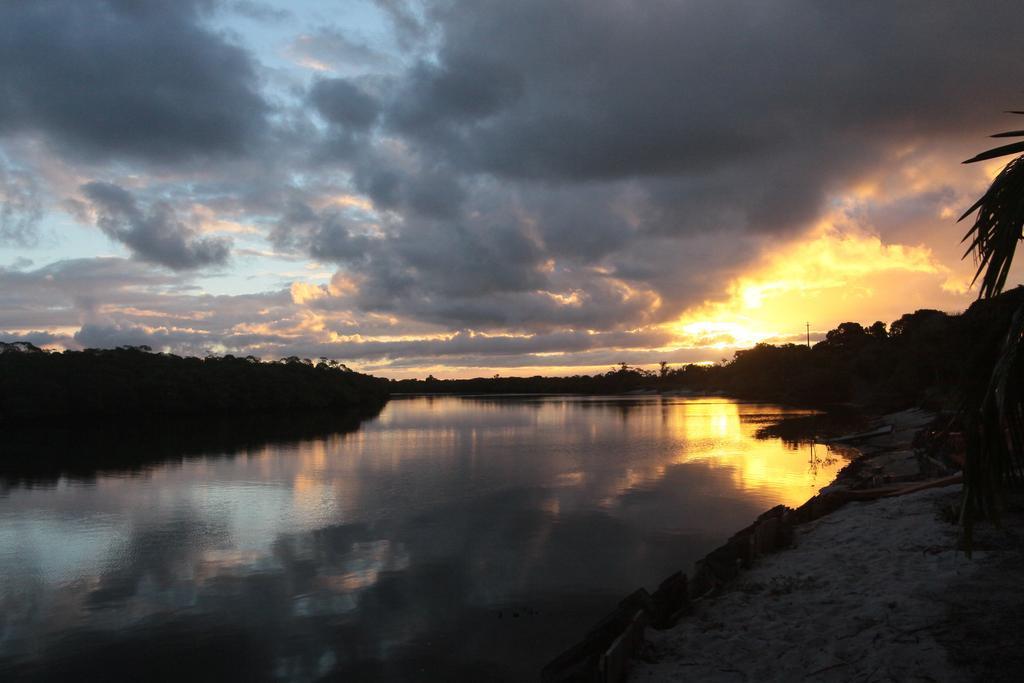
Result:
{"points": [[344, 103], [139, 79], [154, 234], [20, 207], [489, 183], [655, 129], [681, 88]]}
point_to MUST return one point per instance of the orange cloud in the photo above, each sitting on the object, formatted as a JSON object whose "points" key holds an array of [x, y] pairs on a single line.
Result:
{"points": [[831, 276]]}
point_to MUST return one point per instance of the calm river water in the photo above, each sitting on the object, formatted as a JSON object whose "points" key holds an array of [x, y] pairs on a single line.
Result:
{"points": [[446, 539]]}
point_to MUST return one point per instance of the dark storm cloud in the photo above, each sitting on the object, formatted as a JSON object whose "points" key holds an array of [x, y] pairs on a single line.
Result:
{"points": [[534, 166], [430, 270], [494, 264], [21, 207], [154, 233], [578, 90], [344, 103], [462, 91], [136, 79], [732, 118], [665, 143], [333, 241], [429, 190]]}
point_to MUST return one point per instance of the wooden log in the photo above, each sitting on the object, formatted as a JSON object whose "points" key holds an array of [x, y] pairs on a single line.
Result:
{"points": [[724, 562], [765, 535], [614, 664], [703, 580], [581, 662], [638, 599], [784, 539], [746, 546], [671, 601]]}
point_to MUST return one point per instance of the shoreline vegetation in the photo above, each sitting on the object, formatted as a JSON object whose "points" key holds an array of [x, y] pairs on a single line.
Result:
{"points": [[134, 382], [226, 403], [925, 358]]}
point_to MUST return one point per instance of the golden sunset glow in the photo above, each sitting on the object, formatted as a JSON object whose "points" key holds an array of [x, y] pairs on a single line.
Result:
{"points": [[352, 203], [757, 465], [829, 277], [400, 339]]}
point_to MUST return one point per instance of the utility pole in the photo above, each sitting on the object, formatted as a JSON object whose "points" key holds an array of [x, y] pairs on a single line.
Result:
{"points": [[808, 335]]}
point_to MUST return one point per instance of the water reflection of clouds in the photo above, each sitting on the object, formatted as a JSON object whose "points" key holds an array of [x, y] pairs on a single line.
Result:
{"points": [[354, 551], [715, 433]]}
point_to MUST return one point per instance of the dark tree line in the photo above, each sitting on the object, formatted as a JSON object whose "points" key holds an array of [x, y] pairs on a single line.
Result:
{"points": [[924, 358], [132, 381], [620, 380]]}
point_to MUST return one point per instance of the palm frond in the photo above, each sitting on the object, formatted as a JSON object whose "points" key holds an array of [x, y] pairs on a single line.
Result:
{"points": [[993, 406], [997, 227], [996, 152]]}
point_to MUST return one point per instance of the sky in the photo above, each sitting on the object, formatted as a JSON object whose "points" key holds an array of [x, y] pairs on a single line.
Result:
{"points": [[490, 187]]}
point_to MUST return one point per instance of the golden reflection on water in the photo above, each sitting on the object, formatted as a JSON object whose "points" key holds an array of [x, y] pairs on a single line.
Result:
{"points": [[651, 436], [719, 436], [513, 497]]}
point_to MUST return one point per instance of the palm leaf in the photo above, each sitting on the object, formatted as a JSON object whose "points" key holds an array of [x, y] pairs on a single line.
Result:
{"points": [[997, 227], [995, 152], [993, 406]]}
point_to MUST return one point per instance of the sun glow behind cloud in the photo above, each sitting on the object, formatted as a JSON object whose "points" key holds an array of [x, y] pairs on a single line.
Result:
{"points": [[453, 200], [829, 277]]}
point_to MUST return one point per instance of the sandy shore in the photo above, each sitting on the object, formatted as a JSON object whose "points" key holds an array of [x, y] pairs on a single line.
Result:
{"points": [[874, 591], [856, 599]]}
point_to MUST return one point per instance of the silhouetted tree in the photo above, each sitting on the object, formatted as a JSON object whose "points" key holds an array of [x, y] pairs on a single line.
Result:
{"points": [[847, 335], [993, 409], [133, 382]]}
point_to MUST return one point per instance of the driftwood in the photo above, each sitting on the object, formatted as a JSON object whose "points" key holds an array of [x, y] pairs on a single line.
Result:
{"points": [[901, 489]]}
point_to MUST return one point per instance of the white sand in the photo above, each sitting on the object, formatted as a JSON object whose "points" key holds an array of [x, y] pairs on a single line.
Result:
{"points": [[854, 600]]}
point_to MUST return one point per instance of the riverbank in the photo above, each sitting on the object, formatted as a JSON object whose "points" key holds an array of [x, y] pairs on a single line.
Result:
{"points": [[730, 593], [877, 590], [858, 597]]}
